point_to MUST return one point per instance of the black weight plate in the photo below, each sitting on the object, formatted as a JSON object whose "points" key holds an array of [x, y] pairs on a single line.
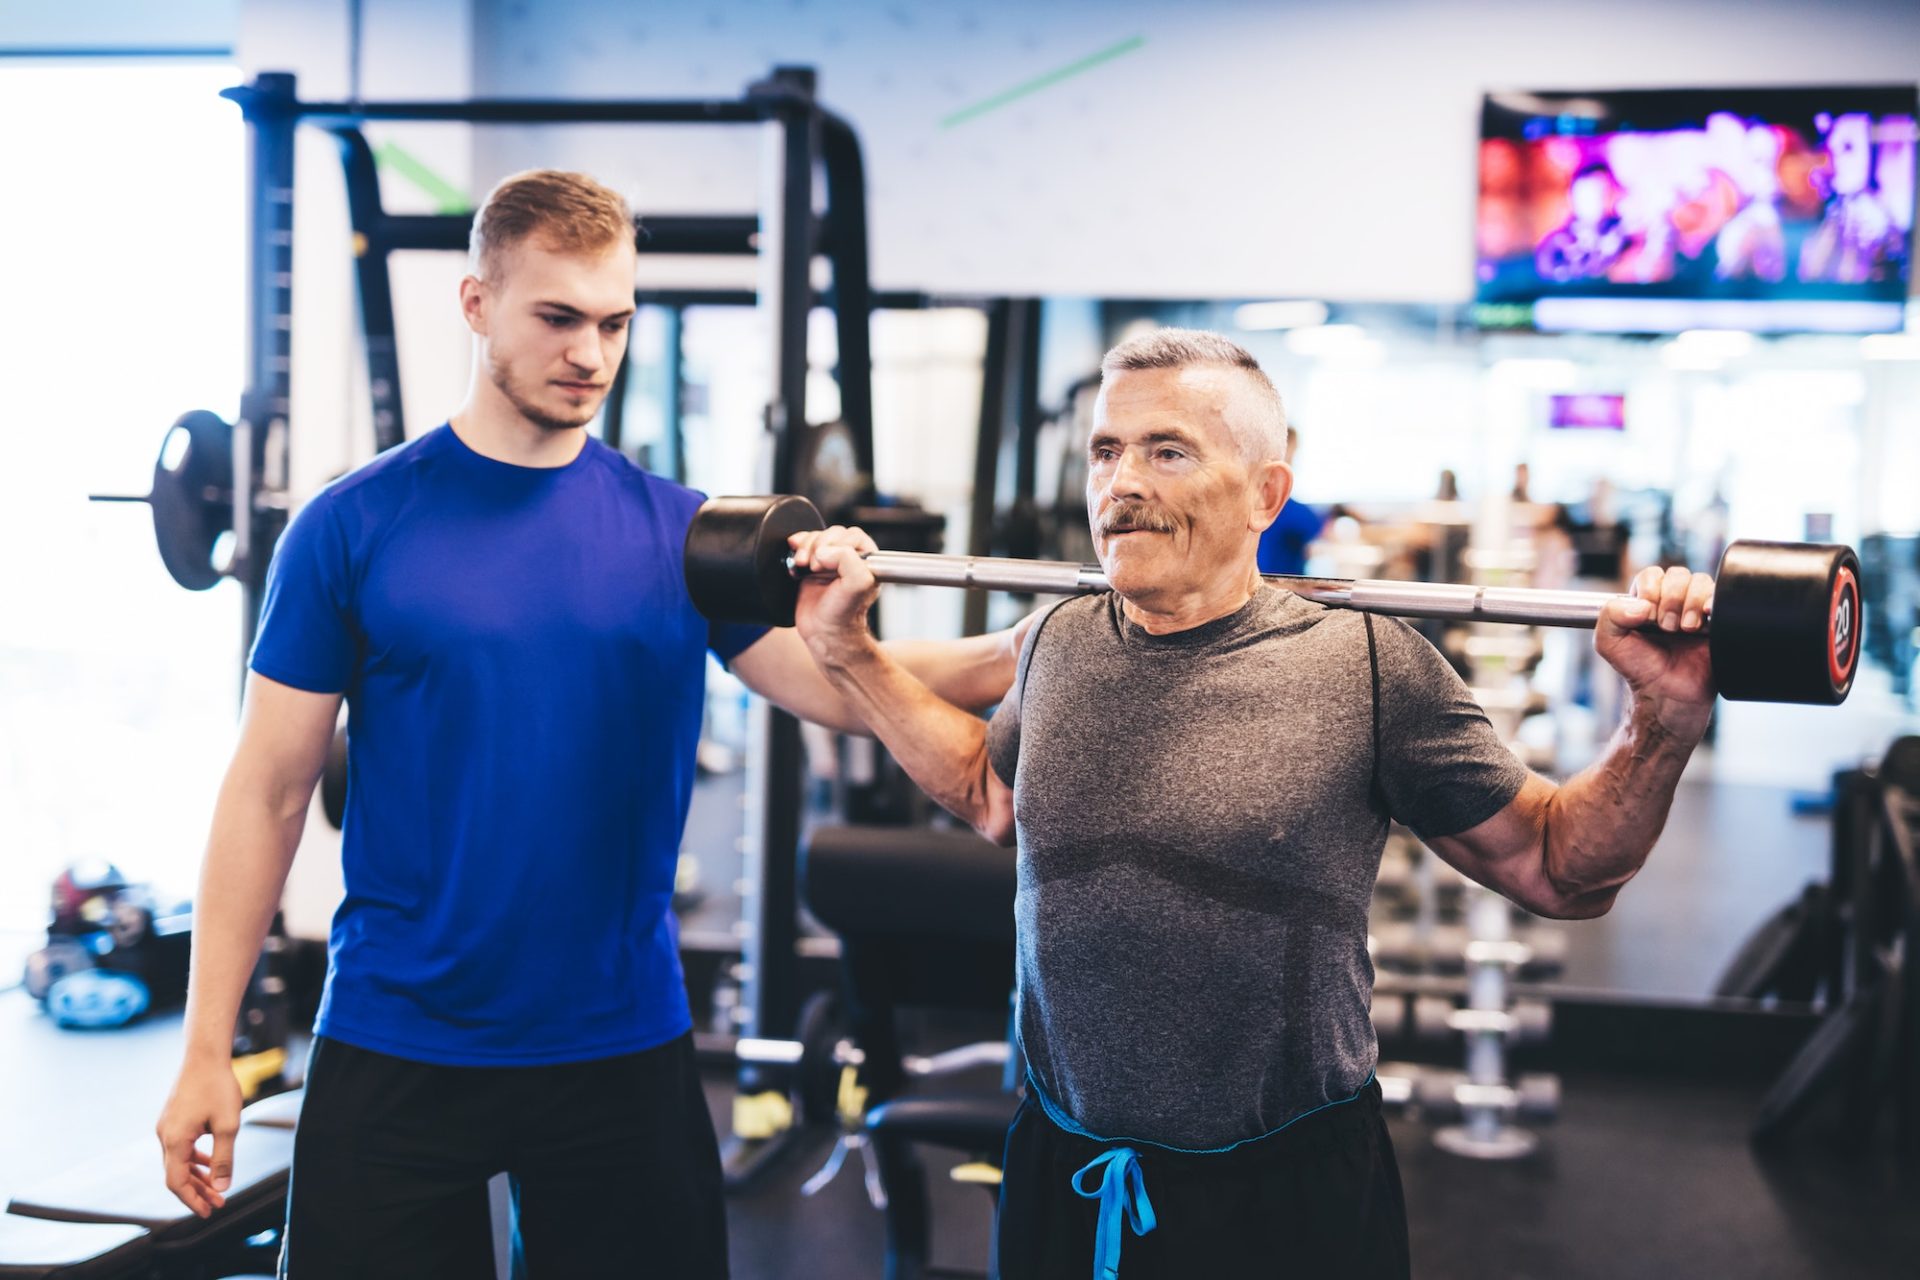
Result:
{"points": [[192, 497], [1782, 952], [1786, 622], [333, 781], [735, 557]]}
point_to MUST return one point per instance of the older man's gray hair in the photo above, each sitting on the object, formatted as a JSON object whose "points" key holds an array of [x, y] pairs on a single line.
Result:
{"points": [[1260, 425]]}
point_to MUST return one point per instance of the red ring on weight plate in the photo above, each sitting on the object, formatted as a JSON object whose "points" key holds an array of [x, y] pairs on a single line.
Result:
{"points": [[1843, 629]]}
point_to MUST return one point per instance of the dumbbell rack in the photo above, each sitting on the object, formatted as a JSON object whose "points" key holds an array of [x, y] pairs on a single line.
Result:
{"points": [[1488, 1099], [1427, 1010], [1483, 1101]]}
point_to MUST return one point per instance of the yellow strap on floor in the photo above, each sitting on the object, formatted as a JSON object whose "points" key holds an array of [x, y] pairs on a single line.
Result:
{"points": [[255, 1069], [852, 1101], [761, 1115], [978, 1172]]}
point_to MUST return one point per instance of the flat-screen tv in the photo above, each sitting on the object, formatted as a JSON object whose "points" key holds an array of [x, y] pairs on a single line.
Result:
{"points": [[1654, 211]]}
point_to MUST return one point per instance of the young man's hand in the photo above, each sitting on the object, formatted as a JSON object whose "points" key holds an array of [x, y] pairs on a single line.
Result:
{"points": [[205, 1100]]}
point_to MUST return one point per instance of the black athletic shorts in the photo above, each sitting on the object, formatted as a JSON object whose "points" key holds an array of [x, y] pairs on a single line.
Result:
{"points": [[614, 1165], [1320, 1198]]}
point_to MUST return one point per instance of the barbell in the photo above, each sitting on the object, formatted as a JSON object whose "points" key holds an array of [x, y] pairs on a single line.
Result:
{"points": [[1784, 627]]}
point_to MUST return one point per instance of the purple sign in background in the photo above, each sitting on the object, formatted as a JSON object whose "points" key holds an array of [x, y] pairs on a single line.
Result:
{"points": [[1605, 412]]}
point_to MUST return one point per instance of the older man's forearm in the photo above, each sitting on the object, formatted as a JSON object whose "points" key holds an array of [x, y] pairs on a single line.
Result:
{"points": [[941, 747], [1602, 823]]}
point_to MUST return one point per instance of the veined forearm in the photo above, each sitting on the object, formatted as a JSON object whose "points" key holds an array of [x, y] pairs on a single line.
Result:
{"points": [[1602, 823], [942, 747]]}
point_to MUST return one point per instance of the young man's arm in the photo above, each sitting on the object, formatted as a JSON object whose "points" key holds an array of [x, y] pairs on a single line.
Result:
{"points": [[1566, 851], [942, 747], [257, 822], [973, 672]]}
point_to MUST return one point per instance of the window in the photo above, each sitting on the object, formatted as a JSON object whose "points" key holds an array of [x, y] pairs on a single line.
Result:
{"points": [[124, 267]]}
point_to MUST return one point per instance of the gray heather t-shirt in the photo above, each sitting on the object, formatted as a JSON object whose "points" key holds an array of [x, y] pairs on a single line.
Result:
{"points": [[1200, 821]]}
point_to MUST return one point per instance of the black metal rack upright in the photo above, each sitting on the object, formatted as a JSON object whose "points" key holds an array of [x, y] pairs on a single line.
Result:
{"points": [[1009, 396], [786, 234]]}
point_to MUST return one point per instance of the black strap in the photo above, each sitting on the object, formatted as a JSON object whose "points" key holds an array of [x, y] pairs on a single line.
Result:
{"points": [[1025, 660], [1373, 662]]}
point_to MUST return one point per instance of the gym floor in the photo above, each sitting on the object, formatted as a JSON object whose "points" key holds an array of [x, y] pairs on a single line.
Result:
{"points": [[1635, 1180], [1638, 1178]]}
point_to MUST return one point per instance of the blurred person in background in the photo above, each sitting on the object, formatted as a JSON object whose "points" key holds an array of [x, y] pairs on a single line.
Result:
{"points": [[1283, 547]]}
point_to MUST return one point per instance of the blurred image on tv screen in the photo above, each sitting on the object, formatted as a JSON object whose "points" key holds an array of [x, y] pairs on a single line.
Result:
{"points": [[1654, 211]]}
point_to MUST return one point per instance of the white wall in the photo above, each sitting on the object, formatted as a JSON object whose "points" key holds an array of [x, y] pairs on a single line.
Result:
{"points": [[1319, 149], [108, 25]]}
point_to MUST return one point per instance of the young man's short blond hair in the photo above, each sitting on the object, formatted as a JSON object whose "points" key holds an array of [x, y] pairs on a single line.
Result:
{"points": [[569, 212]]}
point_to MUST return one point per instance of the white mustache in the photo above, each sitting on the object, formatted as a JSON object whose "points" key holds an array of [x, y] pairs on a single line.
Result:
{"points": [[1128, 517]]}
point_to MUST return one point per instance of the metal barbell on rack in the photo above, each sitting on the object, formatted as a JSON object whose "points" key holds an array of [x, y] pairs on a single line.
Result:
{"points": [[1784, 627]]}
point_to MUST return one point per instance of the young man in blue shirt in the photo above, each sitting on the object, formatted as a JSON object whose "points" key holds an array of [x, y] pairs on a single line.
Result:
{"points": [[1283, 544], [500, 604]]}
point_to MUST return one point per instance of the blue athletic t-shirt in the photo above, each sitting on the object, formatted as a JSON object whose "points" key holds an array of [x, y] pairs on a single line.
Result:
{"points": [[524, 676], [1283, 544]]}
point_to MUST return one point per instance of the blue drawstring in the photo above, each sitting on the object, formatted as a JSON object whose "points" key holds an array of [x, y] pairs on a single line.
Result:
{"points": [[1125, 1197], [1122, 1194]]}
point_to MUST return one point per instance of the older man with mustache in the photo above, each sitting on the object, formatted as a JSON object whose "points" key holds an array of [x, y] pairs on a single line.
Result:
{"points": [[1199, 771]]}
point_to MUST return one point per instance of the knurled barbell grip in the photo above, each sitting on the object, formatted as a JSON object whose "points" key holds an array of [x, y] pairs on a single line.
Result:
{"points": [[1786, 616], [1035, 577], [1399, 599]]}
